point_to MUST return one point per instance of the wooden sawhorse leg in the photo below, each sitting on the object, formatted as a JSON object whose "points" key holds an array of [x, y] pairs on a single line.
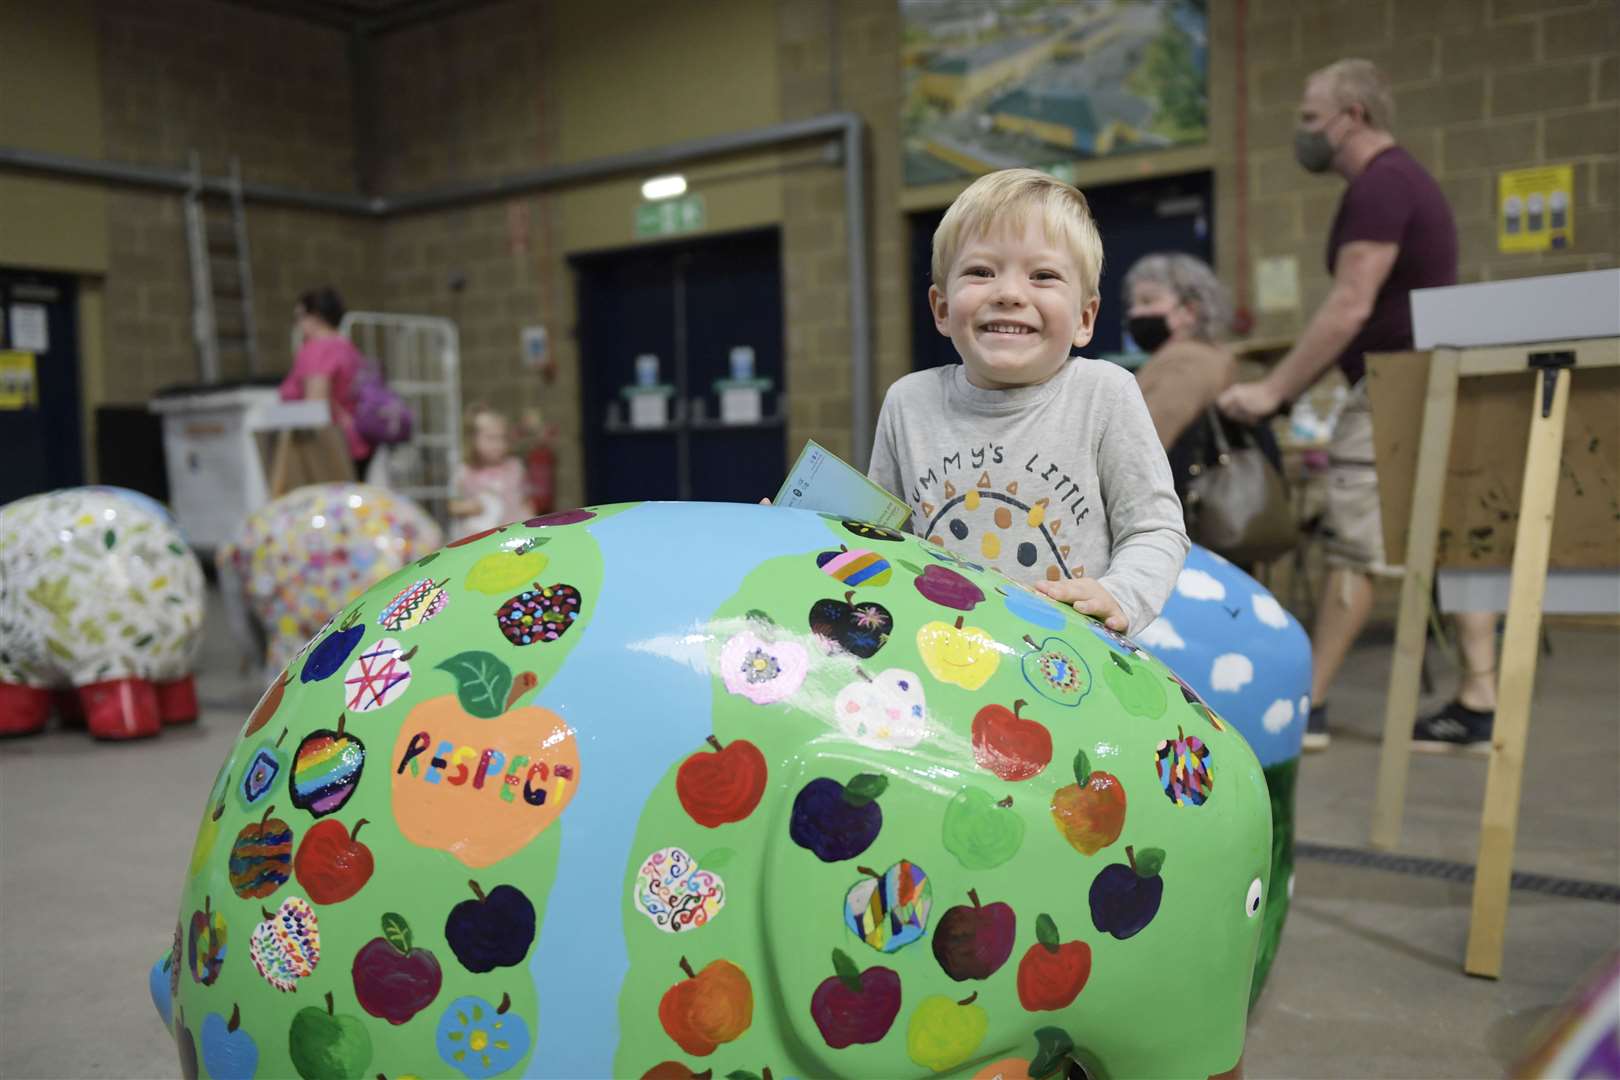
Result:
{"points": [[1532, 543], [1422, 539]]}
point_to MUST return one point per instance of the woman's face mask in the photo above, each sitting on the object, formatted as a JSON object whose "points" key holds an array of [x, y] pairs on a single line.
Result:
{"points": [[1148, 331]]}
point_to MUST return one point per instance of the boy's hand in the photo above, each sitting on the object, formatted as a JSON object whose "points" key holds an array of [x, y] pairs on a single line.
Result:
{"points": [[1089, 598]]}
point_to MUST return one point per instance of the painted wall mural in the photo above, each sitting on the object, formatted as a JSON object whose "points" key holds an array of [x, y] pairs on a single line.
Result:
{"points": [[673, 789], [1045, 83]]}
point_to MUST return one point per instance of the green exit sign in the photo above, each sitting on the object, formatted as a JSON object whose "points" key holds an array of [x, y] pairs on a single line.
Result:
{"points": [[671, 216]]}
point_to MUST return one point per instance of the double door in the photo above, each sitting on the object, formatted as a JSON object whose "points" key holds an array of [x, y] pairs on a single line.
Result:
{"points": [[690, 305]]}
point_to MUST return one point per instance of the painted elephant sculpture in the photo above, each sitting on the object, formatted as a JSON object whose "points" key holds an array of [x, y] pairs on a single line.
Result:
{"points": [[101, 609], [697, 789], [299, 558], [1246, 656]]}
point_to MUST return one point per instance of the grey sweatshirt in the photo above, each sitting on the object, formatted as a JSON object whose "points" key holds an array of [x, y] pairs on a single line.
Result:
{"points": [[1063, 479]]}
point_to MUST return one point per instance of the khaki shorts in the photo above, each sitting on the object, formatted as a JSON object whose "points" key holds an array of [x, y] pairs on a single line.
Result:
{"points": [[1353, 527]]}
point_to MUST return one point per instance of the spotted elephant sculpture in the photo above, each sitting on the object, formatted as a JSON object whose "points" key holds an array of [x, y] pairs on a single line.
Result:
{"points": [[671, 790]]}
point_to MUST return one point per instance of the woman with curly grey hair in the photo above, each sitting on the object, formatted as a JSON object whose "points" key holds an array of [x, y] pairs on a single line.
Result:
{"points": [[1177, 313]]}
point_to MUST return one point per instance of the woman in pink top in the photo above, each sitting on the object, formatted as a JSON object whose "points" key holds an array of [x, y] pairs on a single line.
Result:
{"points": [[326, 367]]}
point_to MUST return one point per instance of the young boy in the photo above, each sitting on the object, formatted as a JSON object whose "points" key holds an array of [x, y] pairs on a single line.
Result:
{"points": [[1046, 468]]}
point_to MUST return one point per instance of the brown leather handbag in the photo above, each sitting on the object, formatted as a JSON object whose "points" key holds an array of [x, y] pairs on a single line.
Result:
{"points": [[1237, 501]]}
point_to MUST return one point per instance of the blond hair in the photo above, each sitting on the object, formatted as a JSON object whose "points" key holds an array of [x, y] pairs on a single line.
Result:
{"points": [[1359, 82], [1010, 197]]}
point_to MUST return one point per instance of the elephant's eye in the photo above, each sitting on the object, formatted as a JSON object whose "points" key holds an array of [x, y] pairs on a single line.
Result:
{"points": [[1251, 906]]}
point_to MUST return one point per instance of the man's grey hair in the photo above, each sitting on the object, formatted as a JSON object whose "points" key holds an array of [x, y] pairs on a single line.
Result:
{"points": [[1359, 82], [1192, 282]]}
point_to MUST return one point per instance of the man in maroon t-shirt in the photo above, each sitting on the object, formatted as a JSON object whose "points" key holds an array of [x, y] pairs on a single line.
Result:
{"points": [[1393, 233]]}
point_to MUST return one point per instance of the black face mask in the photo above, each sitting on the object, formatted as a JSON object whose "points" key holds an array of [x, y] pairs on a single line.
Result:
{"points": [[1148, 331]]}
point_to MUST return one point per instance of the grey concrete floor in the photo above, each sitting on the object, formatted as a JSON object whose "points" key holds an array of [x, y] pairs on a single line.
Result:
{"points": [[94, 839]]}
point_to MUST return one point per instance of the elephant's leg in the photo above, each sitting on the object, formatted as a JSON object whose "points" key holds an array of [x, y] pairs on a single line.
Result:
{"points": [[177, 700], [121, 709], [24, 710]]}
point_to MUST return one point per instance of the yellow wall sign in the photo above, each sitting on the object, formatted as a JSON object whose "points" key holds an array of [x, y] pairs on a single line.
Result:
{"points": [[1535, 209], [19, 389]]}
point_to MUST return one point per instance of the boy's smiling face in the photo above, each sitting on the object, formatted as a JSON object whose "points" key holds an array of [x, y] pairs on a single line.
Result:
{"points": [[1013, 305]]}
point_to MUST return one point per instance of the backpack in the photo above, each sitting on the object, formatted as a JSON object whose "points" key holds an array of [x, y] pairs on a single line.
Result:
{"points": [[380, 416]]}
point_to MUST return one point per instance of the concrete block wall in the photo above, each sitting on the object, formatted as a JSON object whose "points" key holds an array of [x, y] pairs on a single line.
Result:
{"points": [[186, 75], [1480, 86]]}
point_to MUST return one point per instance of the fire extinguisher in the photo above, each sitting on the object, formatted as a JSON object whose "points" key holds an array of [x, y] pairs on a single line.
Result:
{"points": [[540, 470]]}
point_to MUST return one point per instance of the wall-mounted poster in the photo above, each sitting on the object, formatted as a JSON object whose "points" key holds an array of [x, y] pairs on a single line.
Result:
{"points": [[992, 84]]}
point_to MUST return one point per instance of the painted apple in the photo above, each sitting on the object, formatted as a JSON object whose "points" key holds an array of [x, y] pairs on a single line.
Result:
{"points": [[494, 929], [504, 571], [1124, 898], [228, 1052], [943, 1033], [972, 942], [965, 657], [1032, 607], [268, 704], [286, 946], [326, 769], [981, 832], [1057, 671], [853, 1006], [947, 588], [157, 984], [1090, 813], [379, 676], [186, 1043], [261, 857], [326, 1046], [207, 833], [861, 629], [541, 614], [676, 893], [205, 943], [708, 1007], [1184, 769], [414, 605], [885, 712], [855, 568], [763, 671], [560, 517], [333, 651], [480, 1040], [724, 786], [1008, 745], [481, 791], [393, 979], [1139, 691], [838, 821], [868, 531], [889, 911], [332, 864], [266, 766], [1053, 972]]}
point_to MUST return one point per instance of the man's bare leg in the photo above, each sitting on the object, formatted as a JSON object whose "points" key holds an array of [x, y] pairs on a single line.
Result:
{"points": [[1347, 600], [1476, 647]]}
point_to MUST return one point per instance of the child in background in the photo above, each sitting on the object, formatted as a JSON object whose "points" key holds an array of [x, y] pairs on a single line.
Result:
{"points": [[1046, 468], [490, 483]]}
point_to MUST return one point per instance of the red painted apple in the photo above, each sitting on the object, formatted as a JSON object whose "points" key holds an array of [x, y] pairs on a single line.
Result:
{"points": [[973, 942], [724, 786], [708, 1007], [331, 864], [1052, 973], [1008, 745], [393, 979], [1090, 813], [855, 1006]]}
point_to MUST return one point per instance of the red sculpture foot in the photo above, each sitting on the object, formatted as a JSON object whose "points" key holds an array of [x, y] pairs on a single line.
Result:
{"points": [[121, 709], [177, 701], [23, 709]]}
